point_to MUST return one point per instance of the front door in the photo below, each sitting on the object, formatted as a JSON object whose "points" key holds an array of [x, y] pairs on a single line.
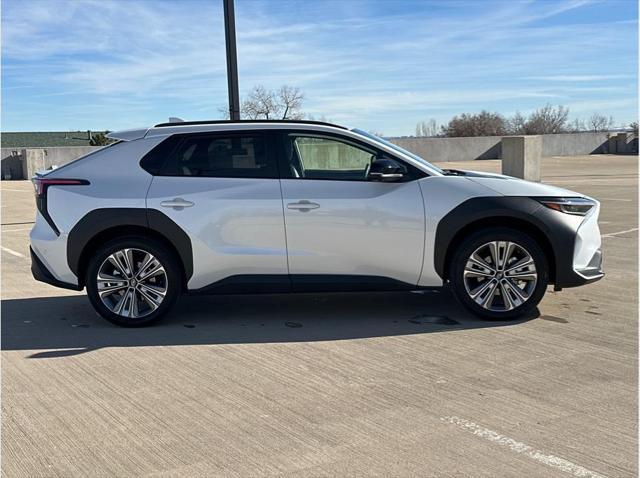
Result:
{"points": [[341, 228], [223, 190]]}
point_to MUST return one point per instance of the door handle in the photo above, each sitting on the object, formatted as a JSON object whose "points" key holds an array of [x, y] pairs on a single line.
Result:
{"points": [[177, 203], [303, 206]]}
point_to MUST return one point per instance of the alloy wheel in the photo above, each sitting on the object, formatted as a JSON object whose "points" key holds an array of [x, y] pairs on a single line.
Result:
{"points": [[500, 276], [132, 283]]}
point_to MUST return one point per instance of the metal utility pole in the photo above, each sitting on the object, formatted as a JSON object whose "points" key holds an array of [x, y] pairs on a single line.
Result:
{"points": [[232, 59]]}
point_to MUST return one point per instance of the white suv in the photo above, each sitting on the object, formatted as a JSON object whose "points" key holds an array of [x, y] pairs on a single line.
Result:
{"points": [[220, 207]]}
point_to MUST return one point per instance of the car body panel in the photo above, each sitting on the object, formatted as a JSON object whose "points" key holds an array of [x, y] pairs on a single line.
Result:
{"points": [[358, 228], [441, 194], [236, 225], [509, 186]]}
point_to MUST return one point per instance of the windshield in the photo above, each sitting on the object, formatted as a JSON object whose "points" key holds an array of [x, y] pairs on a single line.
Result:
{"points": [[398, 149]]}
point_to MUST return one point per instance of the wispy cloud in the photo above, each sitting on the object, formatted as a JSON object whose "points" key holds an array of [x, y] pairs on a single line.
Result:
{"points": [[381, 65], [580, 78]]}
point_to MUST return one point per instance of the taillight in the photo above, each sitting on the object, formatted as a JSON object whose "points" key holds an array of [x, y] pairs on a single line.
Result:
{"points": [[41, 184]]}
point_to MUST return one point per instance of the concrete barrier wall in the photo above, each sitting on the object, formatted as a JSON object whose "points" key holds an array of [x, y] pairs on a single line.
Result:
{"points": [[21, 163], [452, 149], [573, 144], [489, 147], [60, 156]]}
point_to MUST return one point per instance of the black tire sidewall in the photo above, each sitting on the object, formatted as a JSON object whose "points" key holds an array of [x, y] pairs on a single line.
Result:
{"points": [[471, 243], [156, 248]]}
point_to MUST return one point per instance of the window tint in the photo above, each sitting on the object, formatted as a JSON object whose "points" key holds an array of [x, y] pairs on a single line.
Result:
{"points": [[326, 158], [153, 161], [218, 156]]}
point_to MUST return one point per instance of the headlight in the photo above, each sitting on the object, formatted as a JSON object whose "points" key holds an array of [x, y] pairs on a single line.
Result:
{"points": [[575, 206]]}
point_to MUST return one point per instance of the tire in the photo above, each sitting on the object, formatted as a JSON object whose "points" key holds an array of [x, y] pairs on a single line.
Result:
{"points": [[150, 294], [520, 280]]}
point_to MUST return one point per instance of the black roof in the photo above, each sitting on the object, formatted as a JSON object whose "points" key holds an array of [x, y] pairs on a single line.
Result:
{"points": [[189, 123]]}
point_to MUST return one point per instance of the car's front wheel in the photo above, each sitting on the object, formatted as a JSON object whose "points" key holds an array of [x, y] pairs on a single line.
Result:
{"points": [[499, 273], [133, 281]]}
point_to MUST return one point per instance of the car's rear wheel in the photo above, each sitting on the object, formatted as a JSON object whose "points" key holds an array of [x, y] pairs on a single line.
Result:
{"points": [[133, 281], [499, 273]]}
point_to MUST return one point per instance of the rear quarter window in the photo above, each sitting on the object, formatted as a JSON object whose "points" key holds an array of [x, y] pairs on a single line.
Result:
{"points": [[211, 155], [154, 160]]}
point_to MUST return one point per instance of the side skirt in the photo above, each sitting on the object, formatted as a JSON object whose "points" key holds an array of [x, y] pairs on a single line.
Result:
{"points": [[283, 283]]}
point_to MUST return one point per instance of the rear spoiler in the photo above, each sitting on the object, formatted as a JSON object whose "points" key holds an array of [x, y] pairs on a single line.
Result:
{"points": [[128, 134], [132, 134]]}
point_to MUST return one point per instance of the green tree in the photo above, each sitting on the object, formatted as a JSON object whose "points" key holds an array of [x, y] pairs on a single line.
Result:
{"points": [[99, 139]]}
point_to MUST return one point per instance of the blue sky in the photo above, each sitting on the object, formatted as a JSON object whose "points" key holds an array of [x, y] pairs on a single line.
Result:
{"points": [[379, 65]]}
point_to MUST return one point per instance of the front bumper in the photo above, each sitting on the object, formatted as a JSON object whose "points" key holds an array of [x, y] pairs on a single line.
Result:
{"points": [[42, 274], [585, 264], [592, 273]]}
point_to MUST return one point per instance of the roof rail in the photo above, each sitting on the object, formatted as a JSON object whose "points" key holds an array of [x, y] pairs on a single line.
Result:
{"points": [[189, 123]]}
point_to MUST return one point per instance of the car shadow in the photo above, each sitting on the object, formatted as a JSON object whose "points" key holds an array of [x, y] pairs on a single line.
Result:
{"points": [[64, 326]]}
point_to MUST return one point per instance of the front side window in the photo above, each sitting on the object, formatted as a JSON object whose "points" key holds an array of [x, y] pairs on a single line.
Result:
{"points": [[397, 148], [219, 156], [326, 158]]}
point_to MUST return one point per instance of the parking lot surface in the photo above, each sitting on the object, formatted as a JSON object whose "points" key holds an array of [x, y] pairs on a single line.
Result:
{"points": [[397, 384]]}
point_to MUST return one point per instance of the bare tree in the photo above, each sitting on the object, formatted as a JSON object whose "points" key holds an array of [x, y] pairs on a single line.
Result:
{"points": [[577, 126], [290, 98], [481, 124], [598, 122], [516, 124], [427, 128], [261, 103], [547, 120], [634, 127]]}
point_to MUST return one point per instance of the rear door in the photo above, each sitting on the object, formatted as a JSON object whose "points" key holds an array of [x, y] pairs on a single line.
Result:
{"points": [[223, 190], [343, 229]]}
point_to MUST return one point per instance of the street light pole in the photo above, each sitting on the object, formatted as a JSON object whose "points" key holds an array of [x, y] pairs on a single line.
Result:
{"points": [[232, 59]]}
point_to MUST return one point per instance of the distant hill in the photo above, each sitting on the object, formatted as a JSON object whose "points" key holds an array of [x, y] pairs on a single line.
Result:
{"points": [[45, 139]]}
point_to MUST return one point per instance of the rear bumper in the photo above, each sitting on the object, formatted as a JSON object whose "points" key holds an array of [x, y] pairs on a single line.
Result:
{"points": [[42, 274]]}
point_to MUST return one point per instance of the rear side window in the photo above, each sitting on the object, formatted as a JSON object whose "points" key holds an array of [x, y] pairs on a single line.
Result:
{"points": [[211, 155]]}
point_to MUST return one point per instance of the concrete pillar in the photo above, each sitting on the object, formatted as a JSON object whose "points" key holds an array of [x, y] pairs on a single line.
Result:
{"points": [[521, 157], [33, 160], [611, 143], [12, 165], [621, 143]]}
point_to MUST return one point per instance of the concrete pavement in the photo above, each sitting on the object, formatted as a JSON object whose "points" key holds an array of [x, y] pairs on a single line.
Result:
{"points": [[398, 384]]}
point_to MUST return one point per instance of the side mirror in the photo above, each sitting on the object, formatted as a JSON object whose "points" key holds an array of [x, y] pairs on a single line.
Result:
{"points": [[386, 170]]}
